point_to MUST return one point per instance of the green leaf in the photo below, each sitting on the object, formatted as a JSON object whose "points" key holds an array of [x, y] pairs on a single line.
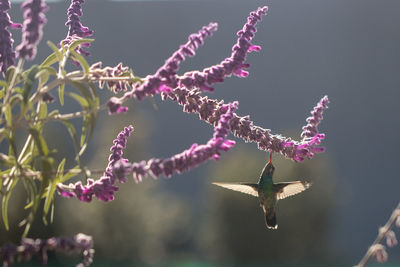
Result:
{"points": [[8, 115], [10, 73], [29, 79], [72, 133], [82, 101], [70, 175], [4, 204], [50, 60], [81, 60], [54, 113], [42, 111], [43, 76], [3, 84], [39, 141], [78, 42], [61, 93], [30, 188], [94, 93], [52, 187], [85, 131], [57, 52], [17, 98], [50, 70], [85, 92]]}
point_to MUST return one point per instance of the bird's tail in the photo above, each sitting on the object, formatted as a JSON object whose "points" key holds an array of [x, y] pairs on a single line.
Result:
{"points": [[270, 220]]}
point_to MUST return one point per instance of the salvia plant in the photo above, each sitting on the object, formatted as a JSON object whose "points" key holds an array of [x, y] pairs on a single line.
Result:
{"points": [[28, 98]]}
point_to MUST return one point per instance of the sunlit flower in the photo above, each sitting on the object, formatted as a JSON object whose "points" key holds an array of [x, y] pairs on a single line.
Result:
{"points": [[7, 55], [34, 20]]}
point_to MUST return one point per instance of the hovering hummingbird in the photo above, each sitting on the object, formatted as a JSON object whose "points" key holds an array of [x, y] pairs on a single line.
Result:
{"points": [[268, 192]]}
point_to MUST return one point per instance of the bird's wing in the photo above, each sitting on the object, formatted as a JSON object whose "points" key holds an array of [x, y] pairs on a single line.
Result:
{"points": [[251, 189], [291, 188]]}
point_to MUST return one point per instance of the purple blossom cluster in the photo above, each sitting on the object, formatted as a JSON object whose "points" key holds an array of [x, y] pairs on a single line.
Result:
{"points": [[75, 28], [80, 243], [189, 158], [232, 65], [210, 111], [34, 20], [311, 129], [166, 76], [7, 55], [103, 188], [119, 168]]}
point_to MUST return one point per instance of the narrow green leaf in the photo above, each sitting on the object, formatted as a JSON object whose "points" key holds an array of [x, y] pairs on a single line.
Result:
{"points": [[57, 52], [10, 73], [69, 175], [81, 60], [3, 84], [50, 60], [13, 147], [43, 76], [14, 99], [61, 93], [78, 42], [72, 133], [42, 111], [52, 187], [82, 101], [54, 113], [4, 204], [92, 124], [85, 131], [29, 79], [8, 115], [50, 70], [85, 92], [30, 188], [39, 141], [94, 93]]}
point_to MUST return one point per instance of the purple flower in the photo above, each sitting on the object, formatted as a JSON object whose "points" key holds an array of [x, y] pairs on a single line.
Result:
{"points": [[7, 55], [232, 65], [34, 20], [115, 106], [210, 110], [80, 243], [311, 129], [76, 29], [165, 79], [118, 168], [103, 188], [189, 158]]}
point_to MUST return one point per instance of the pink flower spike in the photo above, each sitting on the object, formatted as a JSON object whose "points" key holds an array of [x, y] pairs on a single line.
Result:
{"points": [[232, 65]]}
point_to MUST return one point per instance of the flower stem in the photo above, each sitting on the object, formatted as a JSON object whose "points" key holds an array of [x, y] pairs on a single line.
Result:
{"points": [[381, 235]]}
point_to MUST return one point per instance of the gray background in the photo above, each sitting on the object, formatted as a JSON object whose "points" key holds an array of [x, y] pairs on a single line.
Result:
{"points": [[348, 50]]}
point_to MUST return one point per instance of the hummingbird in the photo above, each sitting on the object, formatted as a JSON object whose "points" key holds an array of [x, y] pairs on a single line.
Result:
{"points": [[268, 192]]}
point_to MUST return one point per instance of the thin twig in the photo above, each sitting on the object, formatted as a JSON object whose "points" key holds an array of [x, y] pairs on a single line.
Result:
{"points": [[381, 235]]}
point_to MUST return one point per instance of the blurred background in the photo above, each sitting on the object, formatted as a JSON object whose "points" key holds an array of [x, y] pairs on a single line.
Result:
{"points": [[349, 50]]}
